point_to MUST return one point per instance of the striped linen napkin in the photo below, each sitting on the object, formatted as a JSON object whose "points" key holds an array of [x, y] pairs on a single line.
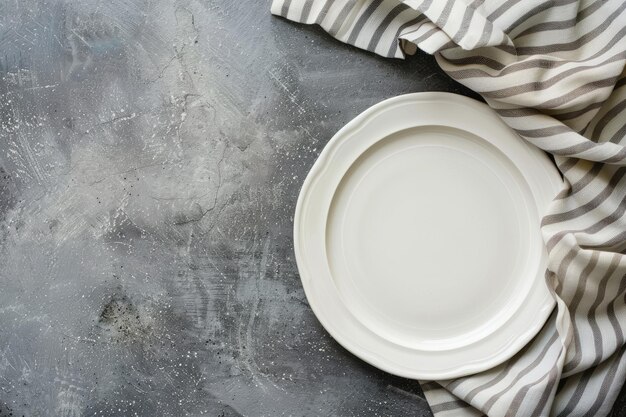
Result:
{"points": [[554, 72]]}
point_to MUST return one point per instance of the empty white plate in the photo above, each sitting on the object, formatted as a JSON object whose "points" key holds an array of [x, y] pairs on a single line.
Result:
{"points": [[417, 237]]}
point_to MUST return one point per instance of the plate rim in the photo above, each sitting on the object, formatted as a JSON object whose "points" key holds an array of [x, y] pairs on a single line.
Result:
{"points": [[322, 164]]}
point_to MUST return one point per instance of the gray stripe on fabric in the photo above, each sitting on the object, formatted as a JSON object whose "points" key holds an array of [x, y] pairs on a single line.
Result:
{"points": [[447, 406], [341, 17], [600, 296], [595, 202], [561, 116], [542, 85], [406, 34], [564, 266], [577, 394], [620, 155], [425, 5], [322, 14], [380, 30], [493, 16], [602, 392], [518, 400], [495, 397], [451, 386], [586, 179], [360, 23], [619, 135], [426, 35], [562, 24], [564, 192], [567, 165], [574, 149], [536, 10], [544, 400], [394, 47], [577, 113], [610, 115], [306, 10], [620, 238], [509, 49], [576, 44], [473, 393], [484, 37], [573, 94], [285, 9], [610, 311], [607, 382], [466, 20], [526, 64], [582, 283], [596, 227], [475, 60], [544, 131], [580, 291], [501, 375], [520, 112], [445, 14]]}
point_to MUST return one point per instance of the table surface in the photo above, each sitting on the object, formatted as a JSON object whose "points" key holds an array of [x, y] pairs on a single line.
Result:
{"points": [[151, 156]]}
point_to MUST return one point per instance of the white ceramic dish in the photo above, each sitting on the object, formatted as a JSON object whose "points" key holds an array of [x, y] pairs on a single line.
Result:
{"points": [[417, 237]]}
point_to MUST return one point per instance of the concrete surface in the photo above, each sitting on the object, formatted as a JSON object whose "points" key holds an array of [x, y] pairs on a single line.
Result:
{"points": [[151, 154]]}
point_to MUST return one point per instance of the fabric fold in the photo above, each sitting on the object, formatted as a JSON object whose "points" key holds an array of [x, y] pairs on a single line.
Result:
{"points": [[454, 19]]}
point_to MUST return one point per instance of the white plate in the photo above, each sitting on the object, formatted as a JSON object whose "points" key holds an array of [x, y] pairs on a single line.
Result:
{"points": [[417, 237]]}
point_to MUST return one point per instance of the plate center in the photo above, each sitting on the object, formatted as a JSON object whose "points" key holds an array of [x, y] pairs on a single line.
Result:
{"points": [[428, 234]]}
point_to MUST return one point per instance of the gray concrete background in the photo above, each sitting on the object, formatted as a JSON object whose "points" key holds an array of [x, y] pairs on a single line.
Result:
{"points": [[151, 155]]}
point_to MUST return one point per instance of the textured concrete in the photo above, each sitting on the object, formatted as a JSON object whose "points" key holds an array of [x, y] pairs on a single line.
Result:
{"points": [[151, 155]]}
